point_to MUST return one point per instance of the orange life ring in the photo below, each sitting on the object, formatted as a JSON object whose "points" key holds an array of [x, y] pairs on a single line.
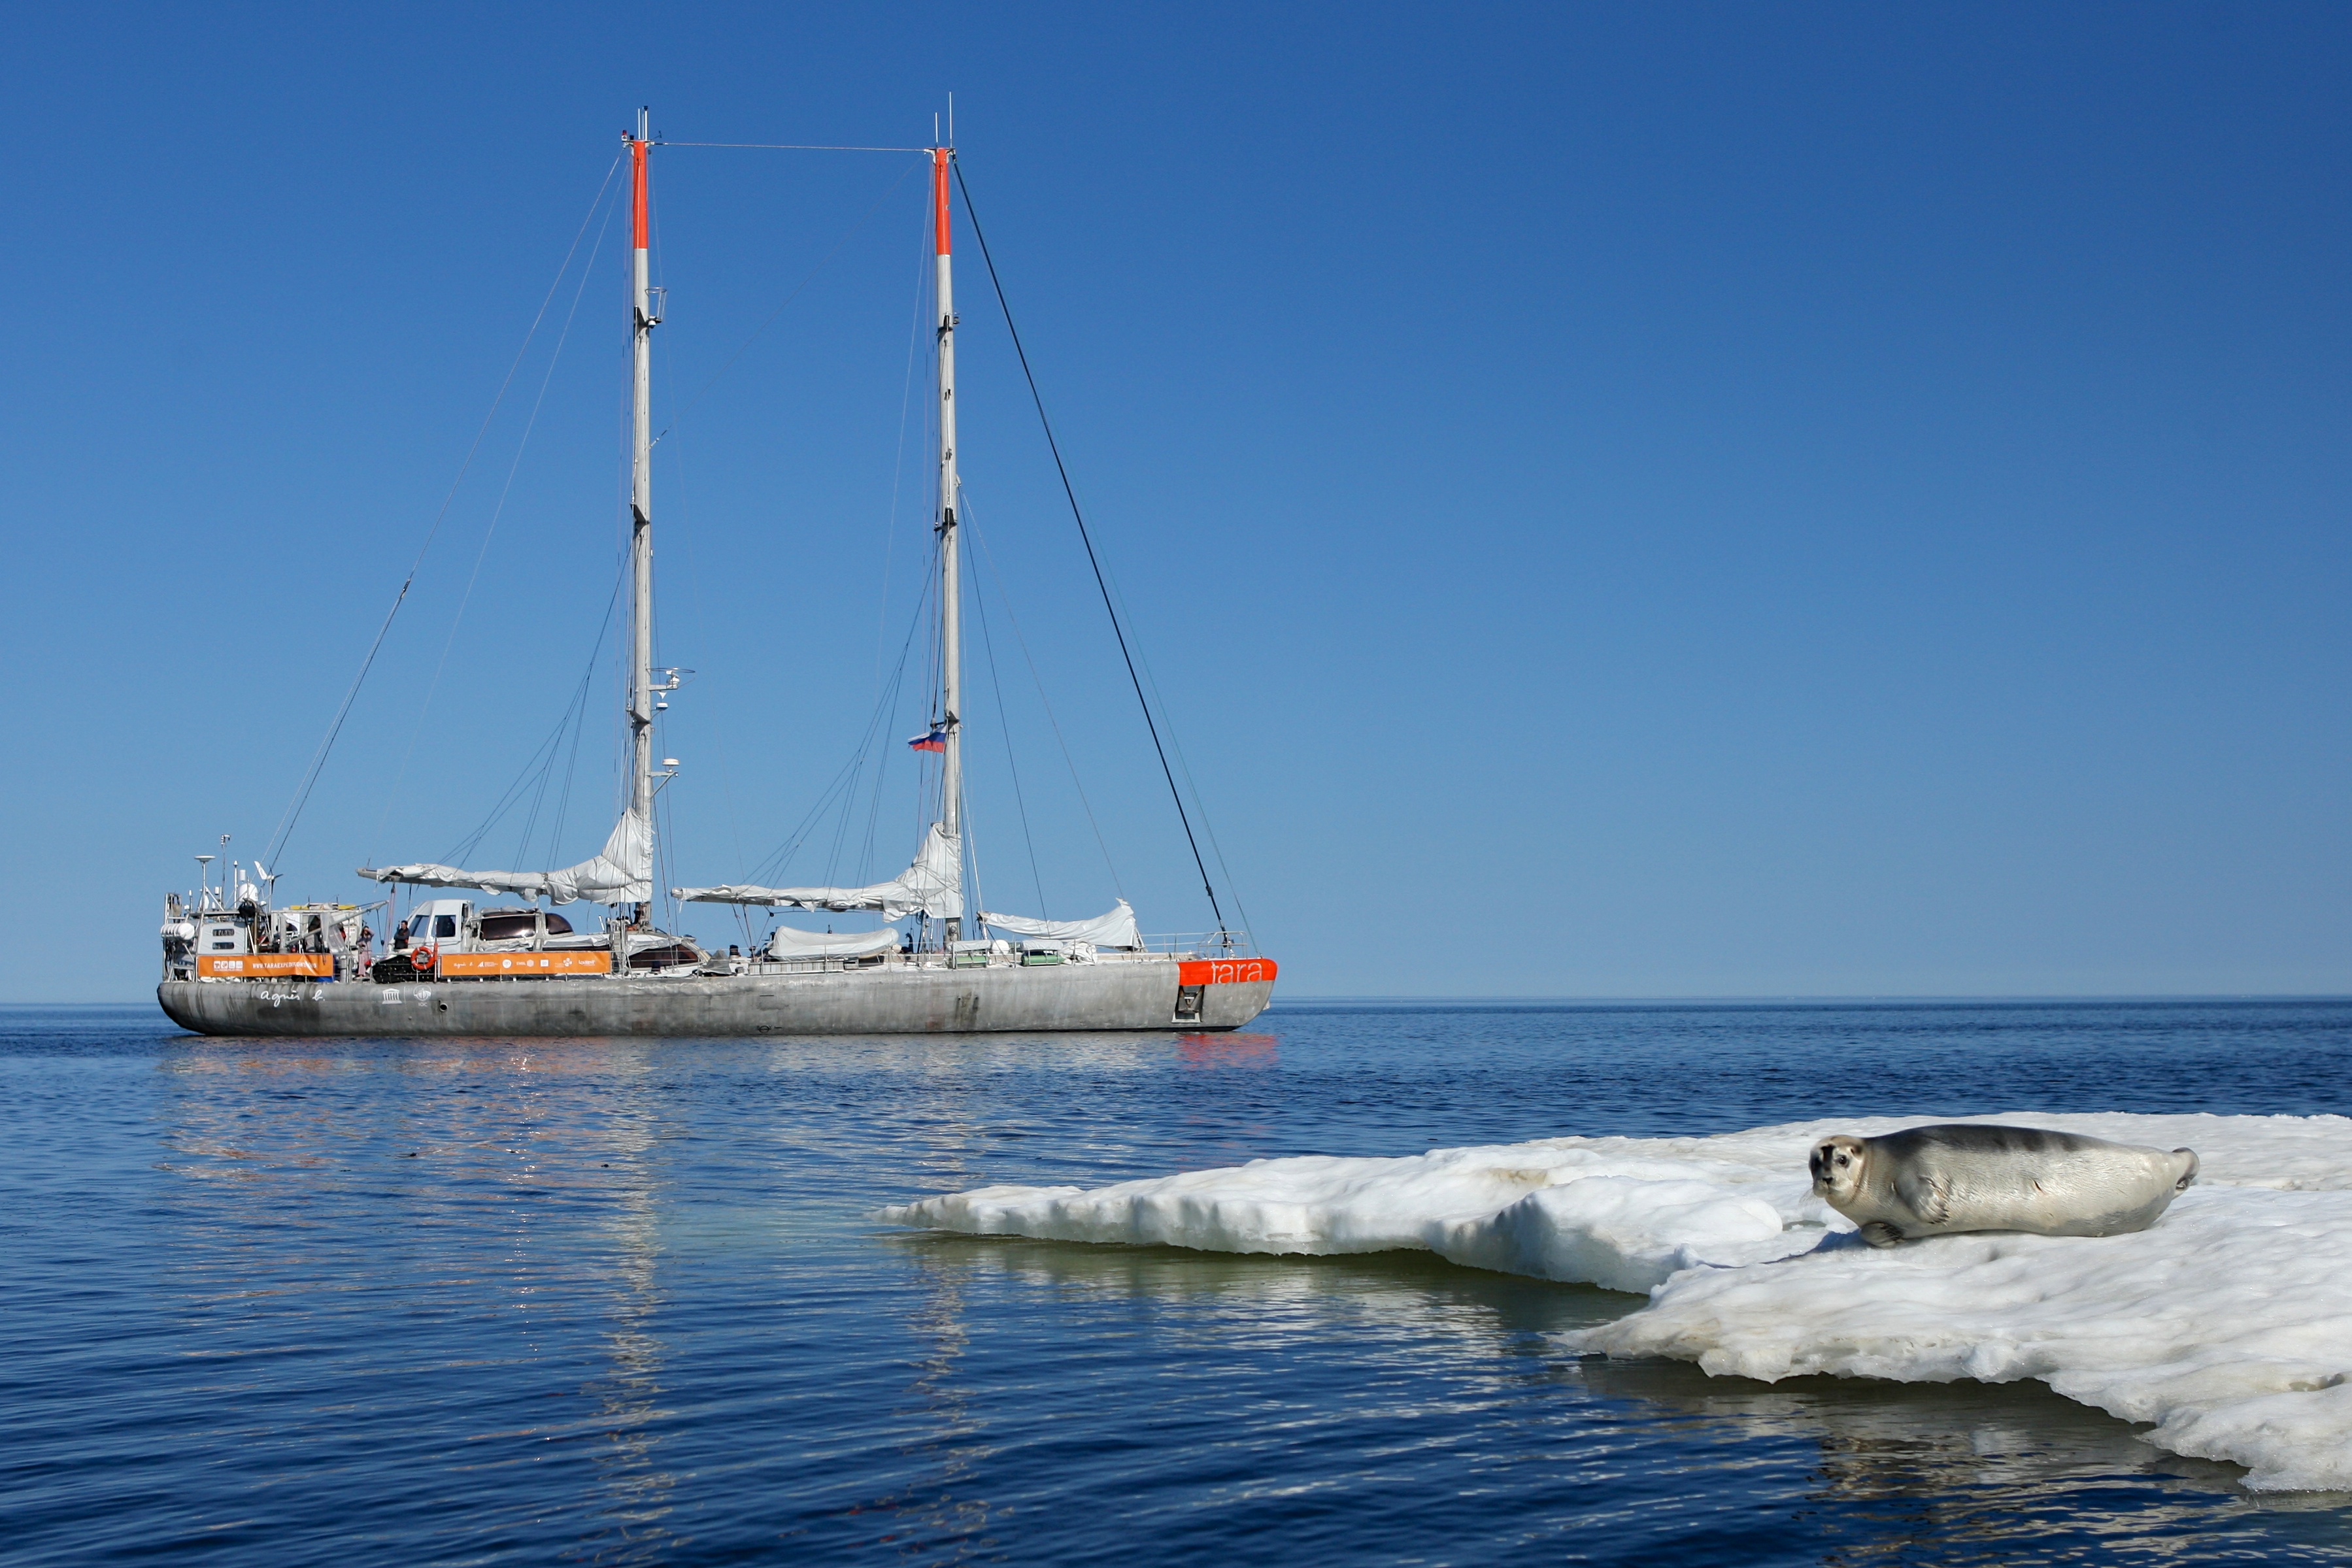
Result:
{"points": [[421, 958]]}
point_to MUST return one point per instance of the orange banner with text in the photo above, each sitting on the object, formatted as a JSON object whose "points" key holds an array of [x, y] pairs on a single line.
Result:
{"points": [[266, 965], [520, 965], [1223, 971]]}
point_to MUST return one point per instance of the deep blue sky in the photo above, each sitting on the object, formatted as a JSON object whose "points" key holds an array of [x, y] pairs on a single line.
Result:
{"points": [[1619, 500]]}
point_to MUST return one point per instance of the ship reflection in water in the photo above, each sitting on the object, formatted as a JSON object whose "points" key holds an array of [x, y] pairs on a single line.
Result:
{"points": [[477, 1228], [621, 1302], [1236, 1050]]}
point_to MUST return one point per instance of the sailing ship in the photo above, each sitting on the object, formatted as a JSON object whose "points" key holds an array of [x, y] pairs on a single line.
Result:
{"points": [[236, 963]]}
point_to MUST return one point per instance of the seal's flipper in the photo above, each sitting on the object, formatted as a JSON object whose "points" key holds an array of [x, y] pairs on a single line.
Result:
{"points": [[1878, 1233], [1929, 1196]]}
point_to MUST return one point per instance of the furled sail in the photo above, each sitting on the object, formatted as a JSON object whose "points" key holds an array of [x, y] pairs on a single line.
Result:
{"points": [[788, 943], [620, 872], [1116, 929], [933, 886]]}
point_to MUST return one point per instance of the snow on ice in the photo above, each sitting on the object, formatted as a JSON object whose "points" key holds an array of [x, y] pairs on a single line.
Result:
{"points": [[2227, 1324]]}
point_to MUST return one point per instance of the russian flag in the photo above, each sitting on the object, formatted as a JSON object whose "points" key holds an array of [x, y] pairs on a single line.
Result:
{"points": [[935, 740]]}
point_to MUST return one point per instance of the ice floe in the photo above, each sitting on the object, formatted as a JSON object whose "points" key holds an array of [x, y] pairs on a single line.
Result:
{"points": [[2227, 1324]]}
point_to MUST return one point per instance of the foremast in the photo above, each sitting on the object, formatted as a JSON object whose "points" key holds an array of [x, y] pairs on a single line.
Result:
{"points": [[951, 599], [643, 318]]}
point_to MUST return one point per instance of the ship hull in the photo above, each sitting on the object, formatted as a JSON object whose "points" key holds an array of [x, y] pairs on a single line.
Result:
{"points": [[893, 999]]}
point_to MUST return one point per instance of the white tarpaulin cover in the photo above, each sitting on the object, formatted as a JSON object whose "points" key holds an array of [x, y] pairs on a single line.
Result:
{"points": [[933, 886], [1116, 929], [620, 872], [787, 943]]}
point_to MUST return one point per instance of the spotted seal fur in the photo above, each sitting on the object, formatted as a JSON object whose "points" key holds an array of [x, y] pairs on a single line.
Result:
{"points": [[1962, 1175]]}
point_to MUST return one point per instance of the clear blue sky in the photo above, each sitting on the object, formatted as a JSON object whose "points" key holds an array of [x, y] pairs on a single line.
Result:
{"points": [[1619, 500]]}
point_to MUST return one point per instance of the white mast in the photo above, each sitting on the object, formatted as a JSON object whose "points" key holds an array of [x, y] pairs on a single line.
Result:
{"points": [[951, 628], [641, 495]]}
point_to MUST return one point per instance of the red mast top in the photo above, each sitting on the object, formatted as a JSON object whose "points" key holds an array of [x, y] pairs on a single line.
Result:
{"points": [[638, 150], [940, 156]]}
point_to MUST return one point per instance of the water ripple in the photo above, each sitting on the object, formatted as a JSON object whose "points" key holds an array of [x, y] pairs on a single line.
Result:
{"points": [[488, 1302]]}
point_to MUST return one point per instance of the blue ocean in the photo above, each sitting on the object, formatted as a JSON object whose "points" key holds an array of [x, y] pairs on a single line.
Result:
{"points": [[407, 1301]]}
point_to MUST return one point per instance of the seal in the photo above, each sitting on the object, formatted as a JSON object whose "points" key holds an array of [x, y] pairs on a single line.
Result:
{"points": [[1960, 1175]]}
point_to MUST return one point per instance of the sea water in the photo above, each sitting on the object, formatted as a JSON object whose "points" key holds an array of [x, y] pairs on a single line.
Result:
{"points": [[425, 1302]]}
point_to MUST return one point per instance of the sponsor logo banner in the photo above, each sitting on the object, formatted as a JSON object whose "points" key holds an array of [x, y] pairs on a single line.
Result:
{"points": [[1223, 971], [521, 965], [266, 965]]}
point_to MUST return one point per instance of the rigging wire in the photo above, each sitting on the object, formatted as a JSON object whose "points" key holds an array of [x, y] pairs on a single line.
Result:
{"points": [[971, 853], [580, 709], [1088, 540], [540, 764], [534, 767], [929, 625], [1003, 727], [882, 613], [293, 813], [1004, 597], [844, 783], [618, 771], [1191, 786], [571, 764], [788, 147], [1209, 827], [457, 621], [899, 460]]}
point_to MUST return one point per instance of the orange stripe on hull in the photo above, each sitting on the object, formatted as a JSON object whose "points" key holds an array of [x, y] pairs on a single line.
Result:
{"points": [[521, 965], [1223, 971], [266, 965]]}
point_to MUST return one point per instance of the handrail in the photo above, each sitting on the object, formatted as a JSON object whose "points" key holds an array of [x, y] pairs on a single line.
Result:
{"points": [[1218, 943]]}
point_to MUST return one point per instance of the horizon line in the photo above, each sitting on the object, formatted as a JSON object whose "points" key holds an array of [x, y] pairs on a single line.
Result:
{"points": [[1811, 997], [1788, 999]]}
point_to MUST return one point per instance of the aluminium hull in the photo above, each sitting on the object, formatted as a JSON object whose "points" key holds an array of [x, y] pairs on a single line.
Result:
{"points": [[892, 999]]}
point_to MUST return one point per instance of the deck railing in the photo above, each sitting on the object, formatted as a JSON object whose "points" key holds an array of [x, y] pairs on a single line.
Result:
{"points": [[1165, 945], [1203, 943]]}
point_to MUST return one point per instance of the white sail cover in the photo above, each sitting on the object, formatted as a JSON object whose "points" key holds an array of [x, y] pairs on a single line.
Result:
{"points": [[620, 872], [787, 943], [933, 886], [1116, 929]]}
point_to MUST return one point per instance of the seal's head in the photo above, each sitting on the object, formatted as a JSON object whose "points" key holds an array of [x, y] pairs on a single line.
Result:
{"points": [[1836, 1165]]}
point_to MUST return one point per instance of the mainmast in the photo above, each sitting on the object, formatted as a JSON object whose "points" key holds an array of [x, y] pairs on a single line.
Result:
{"points": [[951, 631], [644, 317]]}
